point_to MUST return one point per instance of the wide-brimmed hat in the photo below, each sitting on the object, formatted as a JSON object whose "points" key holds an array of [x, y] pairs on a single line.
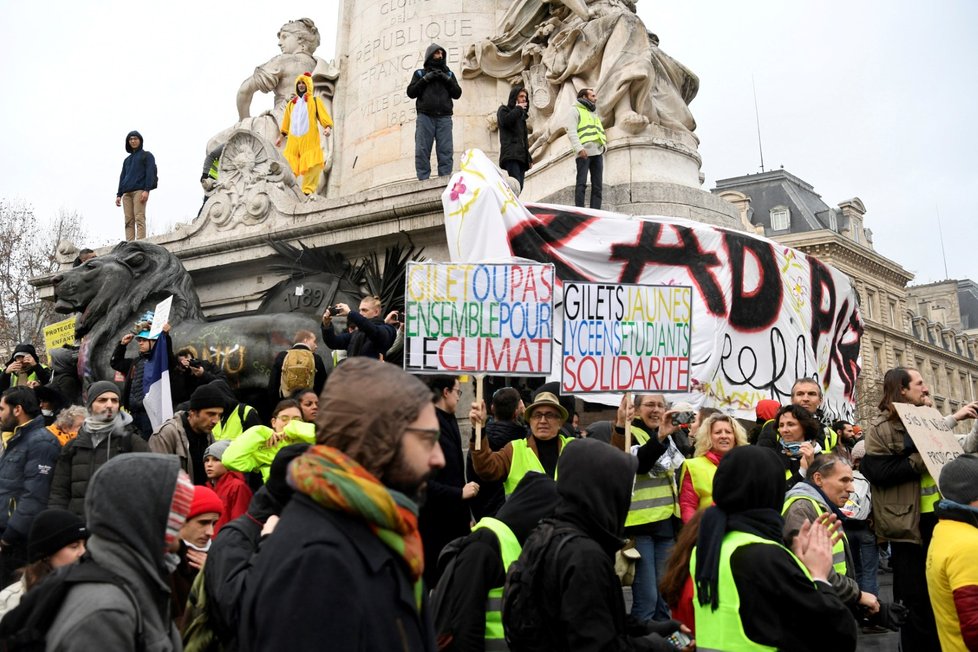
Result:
{"points": [[548, 399]]}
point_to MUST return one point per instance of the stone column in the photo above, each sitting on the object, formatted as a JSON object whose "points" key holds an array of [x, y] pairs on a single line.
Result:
{"points": [[380, 44]]}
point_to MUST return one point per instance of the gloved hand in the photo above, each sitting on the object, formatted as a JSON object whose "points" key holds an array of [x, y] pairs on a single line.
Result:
{"points": [[429, 77], [447, 76], [892, 615]]}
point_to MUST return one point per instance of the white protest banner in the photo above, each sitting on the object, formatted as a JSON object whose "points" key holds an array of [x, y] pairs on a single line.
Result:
{"points": [[161, 315], [478, 318], [935, 442], [623, 338], [765, 314]]}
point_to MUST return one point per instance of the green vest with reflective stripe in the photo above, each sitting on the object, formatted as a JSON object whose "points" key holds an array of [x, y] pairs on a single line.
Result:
{"points": [[700, 471], [838, 549], [929, 495], [722, 630], [234, 425], [212, 172], [589, 127], [524, 461], [510, 550], [831, 440], [31, 377], [654, 495]]}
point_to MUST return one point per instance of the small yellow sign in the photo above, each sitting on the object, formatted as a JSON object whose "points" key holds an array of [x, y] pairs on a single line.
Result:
{"points": [[58, 334]]}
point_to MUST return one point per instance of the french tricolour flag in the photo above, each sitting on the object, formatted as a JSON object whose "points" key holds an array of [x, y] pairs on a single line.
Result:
{"points": [[156, 380]]}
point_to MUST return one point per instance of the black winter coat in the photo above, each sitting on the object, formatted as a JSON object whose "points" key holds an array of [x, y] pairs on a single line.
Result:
{"points": [[80, 459], [514, 142], [435, 86], [324, 579]]}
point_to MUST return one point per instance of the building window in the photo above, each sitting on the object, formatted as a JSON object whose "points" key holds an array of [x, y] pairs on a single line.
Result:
{"points": [[833, 220], [870, 304], [898, 357], [893, 314], [878, 357], [780, 218]]}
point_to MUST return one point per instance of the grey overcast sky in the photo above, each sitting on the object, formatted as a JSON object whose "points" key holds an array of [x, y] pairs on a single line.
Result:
{"points": [[874, 99]]}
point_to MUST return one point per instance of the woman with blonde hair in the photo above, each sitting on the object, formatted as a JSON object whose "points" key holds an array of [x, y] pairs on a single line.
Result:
{"points": [[717, 435]]}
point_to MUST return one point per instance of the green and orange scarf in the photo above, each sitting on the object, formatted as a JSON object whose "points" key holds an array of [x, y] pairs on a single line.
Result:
{"points": [[337, 482]]}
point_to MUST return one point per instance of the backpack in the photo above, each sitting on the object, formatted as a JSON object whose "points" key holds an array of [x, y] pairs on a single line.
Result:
{"points": [[528, 614], [201, 632], [298, 371], [26, 626]]}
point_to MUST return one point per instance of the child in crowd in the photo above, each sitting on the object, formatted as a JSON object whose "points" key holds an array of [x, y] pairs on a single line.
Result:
{"points": [[230, 486]]}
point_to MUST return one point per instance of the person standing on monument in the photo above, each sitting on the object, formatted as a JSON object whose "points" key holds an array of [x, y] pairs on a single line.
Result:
{"points": [[303, 149], [586, 134], [433, 88], [514, 144], [138, 177]]}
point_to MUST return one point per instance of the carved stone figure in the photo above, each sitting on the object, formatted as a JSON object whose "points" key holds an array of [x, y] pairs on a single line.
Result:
{"points": [[298, 41], [557, 47]]}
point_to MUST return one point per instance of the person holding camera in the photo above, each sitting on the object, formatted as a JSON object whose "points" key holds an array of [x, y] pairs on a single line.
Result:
{"points": [[23, 369], [188, 373], [798, 435], [372, 336]]}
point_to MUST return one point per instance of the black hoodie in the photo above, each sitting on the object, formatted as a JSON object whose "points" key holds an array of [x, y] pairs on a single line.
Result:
{"points": [[435, 86], [138, 170], [513, 140]]}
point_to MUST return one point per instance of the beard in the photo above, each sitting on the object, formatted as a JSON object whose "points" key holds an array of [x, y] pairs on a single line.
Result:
{"points": [[399, 476], [8, 424]]}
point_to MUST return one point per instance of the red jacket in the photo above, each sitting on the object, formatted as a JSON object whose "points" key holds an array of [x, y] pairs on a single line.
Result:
{"points": [[234, 493]]}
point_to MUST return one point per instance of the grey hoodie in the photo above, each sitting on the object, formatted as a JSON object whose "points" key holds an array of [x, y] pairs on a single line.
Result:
{"points": [[846, 586], [127, 507]]}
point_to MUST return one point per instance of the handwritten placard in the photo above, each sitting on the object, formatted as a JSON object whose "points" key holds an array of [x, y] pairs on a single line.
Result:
{"points": [[619, 338], [479, 318], [58, 334], [160, 316], [935, 442]]}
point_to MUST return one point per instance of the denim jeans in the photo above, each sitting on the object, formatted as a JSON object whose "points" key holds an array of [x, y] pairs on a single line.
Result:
{"points": [[646, 601], [433, 129], [594, 165], [866, 554]]}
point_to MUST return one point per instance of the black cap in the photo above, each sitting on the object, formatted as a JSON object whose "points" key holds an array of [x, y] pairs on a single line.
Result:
{"points": [[52, 530]]}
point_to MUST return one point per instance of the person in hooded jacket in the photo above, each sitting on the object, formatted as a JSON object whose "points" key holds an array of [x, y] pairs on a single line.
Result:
{"points": [[751, 591], [134, 538], [433, 88], [230, 558], [514, 144], [106, 433], [137, 178], [480, 561], [64, 374], [303, 149], [594, 487], [24, 369]]}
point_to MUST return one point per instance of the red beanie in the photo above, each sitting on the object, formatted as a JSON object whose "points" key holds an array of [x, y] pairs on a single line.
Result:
{"points": [[205, 502], [766, 409]]}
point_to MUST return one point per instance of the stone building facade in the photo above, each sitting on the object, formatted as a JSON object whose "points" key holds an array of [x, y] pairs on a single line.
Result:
{"points": [[933, 328]]}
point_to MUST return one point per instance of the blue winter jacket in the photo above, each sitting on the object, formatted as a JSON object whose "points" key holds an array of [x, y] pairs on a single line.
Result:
{"points": [[26, 469], [138, 170]]}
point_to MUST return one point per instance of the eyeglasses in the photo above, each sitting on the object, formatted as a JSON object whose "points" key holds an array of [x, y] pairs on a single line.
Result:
{"points": [[428, 434], [285, 418], [544, 416]]}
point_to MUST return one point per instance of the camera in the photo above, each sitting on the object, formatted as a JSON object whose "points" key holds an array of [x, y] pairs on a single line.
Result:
{"points": [[682, 418], [195, 363]]}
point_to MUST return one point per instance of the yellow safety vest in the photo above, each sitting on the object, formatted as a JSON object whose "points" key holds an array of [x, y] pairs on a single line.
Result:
{"points": [[524, 461], [589, 127], [838, 549], [700, 471], [929, 495], [510, 550], [722, 630], [234, 425], [654, 497]]}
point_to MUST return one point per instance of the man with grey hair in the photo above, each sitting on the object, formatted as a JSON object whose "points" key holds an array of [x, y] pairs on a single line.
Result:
{"points": [[105, 433], [807, 393], [354, 519]]}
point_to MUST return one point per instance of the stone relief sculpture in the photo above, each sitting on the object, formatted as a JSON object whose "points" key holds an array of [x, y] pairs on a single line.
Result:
{"points": [[557, 47], [298, 41]]}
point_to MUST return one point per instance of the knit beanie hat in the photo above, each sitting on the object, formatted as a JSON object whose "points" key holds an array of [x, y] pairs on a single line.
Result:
{"points": [[205, 501], [100, 387], [51, 531], [959, 480], [207, 396], [858, 451], [183, 495], [217, 449]]}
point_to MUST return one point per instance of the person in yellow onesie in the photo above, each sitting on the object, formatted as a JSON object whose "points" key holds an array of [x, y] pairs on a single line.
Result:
{"points": [[303, 150]]}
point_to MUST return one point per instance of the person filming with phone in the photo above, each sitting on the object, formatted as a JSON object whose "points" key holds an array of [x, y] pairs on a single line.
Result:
{"points": [[371, 337]]}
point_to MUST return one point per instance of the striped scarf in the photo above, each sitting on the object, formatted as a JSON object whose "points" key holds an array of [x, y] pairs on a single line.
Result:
{"points": [[183, 496], [337, 482]]}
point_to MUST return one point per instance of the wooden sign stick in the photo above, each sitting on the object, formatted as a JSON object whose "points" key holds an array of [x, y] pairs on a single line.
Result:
{"points": [[478, 397], [628, 426]]}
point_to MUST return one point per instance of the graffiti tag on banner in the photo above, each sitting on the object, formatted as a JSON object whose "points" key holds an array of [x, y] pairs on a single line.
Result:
{"points": [[765, 313], [58, 334], [621, 338], [478, 318], [935, 442]]}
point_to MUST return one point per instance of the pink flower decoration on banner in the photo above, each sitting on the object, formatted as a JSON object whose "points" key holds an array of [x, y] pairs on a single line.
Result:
{"points": [[457, 190]]}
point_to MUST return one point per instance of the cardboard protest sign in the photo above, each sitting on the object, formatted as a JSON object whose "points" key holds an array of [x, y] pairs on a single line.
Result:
{"points": [[478, 318], [935, 442], [59, 334], [765, 314], [161, 315], [619, 338]]}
